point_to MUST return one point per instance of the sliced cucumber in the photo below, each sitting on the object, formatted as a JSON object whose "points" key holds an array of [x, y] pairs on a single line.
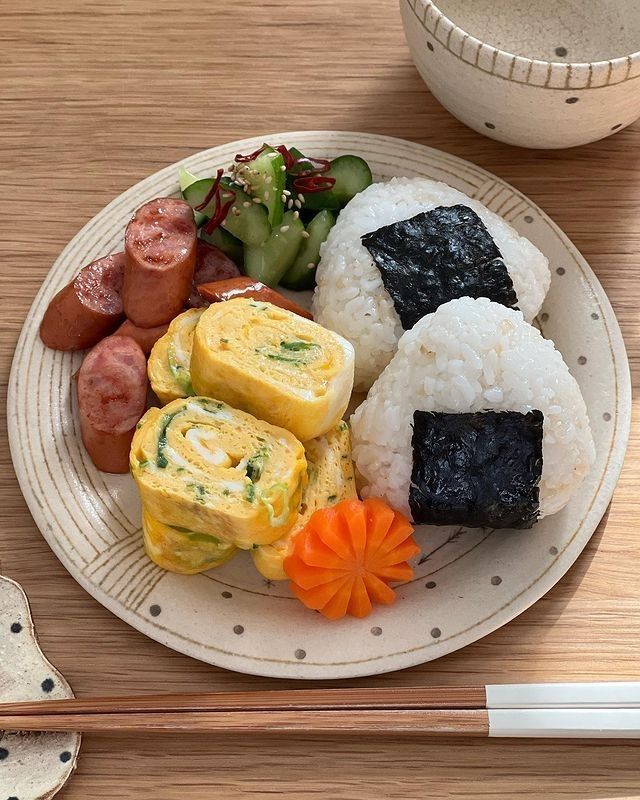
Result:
{"points": [[224, 241], [299, 276], [269, 262], [266, 178], [186, 178], [352, 175], [250, 224]]}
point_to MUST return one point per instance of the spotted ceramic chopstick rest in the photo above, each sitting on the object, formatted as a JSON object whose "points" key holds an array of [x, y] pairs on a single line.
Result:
{"points": [[32, 765]]}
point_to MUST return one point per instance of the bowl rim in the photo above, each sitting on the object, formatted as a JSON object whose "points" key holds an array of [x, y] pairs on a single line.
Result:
{"points": [[575, 75]]}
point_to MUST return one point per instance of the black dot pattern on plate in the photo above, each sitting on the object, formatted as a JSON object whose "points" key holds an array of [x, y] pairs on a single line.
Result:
{"points": [[561, 271], [582, 360], [561, 52], [227, 595], [617, 127], [528, 219], [553, 551], [47, 685], [376, 631], [4, 753], [13, 797], [436, 633], [430, 46], [490, 125], [300, 654], [571, 100], [238, 629], [16, 627], [606, 416], [544, 317], [65, 756], [430, 585], [496, 580], [595, 316], [155, 610]]}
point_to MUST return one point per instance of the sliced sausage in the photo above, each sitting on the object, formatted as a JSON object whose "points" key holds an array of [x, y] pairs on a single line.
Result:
{"points": [[112, 396], [160, 258], [145, 337], [246, 287], [88, 308], [211, 265]]}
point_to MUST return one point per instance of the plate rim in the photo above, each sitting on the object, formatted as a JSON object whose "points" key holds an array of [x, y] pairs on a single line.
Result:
{"points": [[415, 655]]}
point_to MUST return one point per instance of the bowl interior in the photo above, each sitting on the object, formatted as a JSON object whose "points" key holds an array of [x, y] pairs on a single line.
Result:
{"points": [[570, 31]]}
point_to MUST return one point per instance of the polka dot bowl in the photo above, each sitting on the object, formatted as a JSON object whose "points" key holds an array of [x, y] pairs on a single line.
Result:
{"points": [[536, 74]]}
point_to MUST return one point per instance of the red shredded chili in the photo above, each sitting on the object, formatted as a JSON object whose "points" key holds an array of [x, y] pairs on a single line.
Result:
{"points": [[212, 191], [309, 184], [244, 159], [220, 213], [289, 160]]}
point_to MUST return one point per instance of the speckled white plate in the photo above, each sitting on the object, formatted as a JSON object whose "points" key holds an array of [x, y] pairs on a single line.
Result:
{"points": [[33, 766], [467, 582]]}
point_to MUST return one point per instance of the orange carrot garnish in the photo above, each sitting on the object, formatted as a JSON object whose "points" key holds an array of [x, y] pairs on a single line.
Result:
{"points": [[345, 557]]}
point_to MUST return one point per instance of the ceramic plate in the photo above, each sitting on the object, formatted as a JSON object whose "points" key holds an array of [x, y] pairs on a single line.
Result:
{"points": [[467, 582]]}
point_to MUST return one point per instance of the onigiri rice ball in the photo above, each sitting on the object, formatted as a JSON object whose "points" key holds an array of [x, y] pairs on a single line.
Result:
{"points": [[472, 356], [351, 298]]}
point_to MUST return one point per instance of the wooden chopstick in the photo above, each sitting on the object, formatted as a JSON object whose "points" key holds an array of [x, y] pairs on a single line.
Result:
{"points": [[571, 710], [448, 697], [462, 722]]}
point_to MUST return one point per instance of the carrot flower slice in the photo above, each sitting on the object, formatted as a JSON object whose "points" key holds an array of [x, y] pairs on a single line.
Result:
{"points": [[345, 557]]}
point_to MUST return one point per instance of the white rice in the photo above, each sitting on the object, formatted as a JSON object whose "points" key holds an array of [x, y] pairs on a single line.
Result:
{"points": [[472, 355], [350, 297]]}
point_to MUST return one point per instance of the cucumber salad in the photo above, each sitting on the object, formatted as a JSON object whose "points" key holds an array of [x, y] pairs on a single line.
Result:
{"points": [[273, 209]]}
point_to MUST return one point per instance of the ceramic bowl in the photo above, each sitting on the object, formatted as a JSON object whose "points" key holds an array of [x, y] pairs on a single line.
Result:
{"points": [[537, 73]]}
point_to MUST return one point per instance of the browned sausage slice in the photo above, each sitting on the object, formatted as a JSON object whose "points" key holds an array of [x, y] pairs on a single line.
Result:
{"points": [[211, 265], [88, 308], [160, 258], [246, 287], [145, 337], [112, 394]]}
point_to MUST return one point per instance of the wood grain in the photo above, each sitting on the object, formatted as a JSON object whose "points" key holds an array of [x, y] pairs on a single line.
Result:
{"points": [[95, 96]]}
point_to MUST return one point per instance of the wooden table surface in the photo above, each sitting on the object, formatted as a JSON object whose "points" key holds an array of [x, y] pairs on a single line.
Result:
{"points": [[96, 95]]}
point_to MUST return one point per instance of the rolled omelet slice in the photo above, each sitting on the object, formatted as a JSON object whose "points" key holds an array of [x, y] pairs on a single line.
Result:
{"points": [[206, 467], [331, 479], [169, 363], [276, 365], [181, 550]]}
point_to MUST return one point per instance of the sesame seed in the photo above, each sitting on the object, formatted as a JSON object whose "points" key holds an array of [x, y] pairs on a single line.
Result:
{"points": [[235, 211], [227, 195], [286, 192], [301, 198], [311, 265], [305, 234], [283, 168], [247, 204], [298, 204], [273, 155], [266, 195], [283, 197], [268, 179], [290, 204], [257, 200], [296, 215], [284, 228]]}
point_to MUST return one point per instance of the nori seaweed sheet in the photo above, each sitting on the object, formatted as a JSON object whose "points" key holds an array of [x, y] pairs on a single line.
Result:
{"points": [[477, 470], [435, 257]]}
